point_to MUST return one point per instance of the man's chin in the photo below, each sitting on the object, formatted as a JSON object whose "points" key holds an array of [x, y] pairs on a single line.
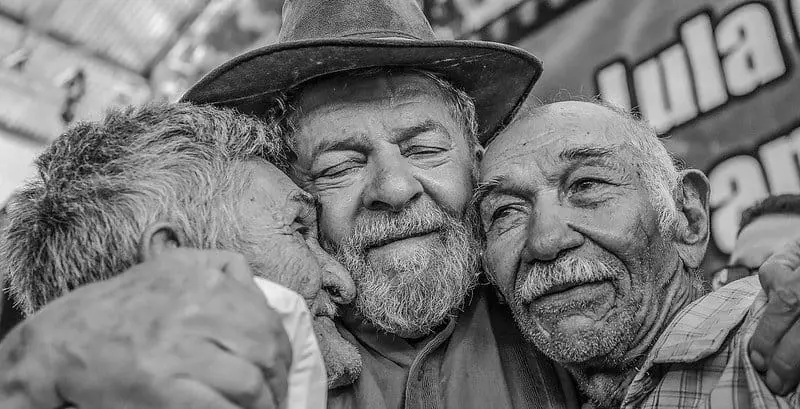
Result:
{"points": [[577, 339], [342, 360]]}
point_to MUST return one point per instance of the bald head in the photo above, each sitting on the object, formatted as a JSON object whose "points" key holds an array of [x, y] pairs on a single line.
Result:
{"points": [[553, 122]]}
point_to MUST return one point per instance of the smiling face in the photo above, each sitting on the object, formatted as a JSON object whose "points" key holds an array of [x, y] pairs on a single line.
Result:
{"points": [[282, 247], [392, 171], [573, 238]]}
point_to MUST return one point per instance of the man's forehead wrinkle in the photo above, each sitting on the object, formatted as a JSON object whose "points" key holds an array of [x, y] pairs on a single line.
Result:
{"points": [[369, 89]]}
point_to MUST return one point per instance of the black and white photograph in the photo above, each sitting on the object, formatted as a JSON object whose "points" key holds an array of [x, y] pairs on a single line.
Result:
{"points": [[399, 204]]}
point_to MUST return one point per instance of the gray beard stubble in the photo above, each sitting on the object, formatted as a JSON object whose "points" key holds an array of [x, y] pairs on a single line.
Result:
{"points": [[416, 294]]}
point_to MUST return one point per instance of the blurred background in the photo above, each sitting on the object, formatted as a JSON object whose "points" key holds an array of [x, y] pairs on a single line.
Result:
{"points": [[718, 79]]}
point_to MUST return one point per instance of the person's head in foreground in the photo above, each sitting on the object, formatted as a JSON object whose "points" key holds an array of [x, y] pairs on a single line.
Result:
{"points": [[120, 191], [391, 155], [593, 237], [763, 230]]}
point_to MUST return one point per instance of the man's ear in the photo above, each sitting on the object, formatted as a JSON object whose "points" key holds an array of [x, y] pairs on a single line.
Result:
{"points": [[692, 228], [159, 237]]}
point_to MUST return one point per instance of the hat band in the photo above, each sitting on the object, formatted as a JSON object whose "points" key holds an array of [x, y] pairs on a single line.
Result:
{"points": [[382, 34]]}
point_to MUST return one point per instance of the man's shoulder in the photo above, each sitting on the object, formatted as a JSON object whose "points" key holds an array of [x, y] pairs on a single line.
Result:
{"points": [[702, 355], [701, 328]]}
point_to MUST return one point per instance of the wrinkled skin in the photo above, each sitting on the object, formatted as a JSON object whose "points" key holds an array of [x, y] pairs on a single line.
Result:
{"points": [[376, 147], [171, 296], [284, 223], [564, 186], [156, 333]]}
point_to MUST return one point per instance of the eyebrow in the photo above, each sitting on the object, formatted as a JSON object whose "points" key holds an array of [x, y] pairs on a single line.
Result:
{"points": [[426, 126], [486, 188], [351, 143], [585, 152]]}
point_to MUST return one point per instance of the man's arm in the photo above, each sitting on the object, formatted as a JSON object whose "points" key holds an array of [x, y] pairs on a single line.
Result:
{"points": [[775, 346], [189, 329]]}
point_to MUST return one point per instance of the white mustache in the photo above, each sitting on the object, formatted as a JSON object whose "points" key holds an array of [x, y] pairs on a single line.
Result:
{"points": [[377, 229], [565, 271]]}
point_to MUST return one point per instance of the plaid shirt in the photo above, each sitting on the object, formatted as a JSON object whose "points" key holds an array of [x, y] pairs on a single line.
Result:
{"points": [[701, 359]]}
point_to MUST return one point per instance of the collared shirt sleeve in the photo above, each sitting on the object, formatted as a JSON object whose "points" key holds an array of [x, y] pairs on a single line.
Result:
{"points": [[701, 360], [308, 385]]}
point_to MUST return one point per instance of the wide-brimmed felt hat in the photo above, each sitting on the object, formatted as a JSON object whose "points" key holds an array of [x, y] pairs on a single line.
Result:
{"points": [[323, 37]]}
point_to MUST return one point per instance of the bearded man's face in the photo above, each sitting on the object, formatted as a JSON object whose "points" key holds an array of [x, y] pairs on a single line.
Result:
{"points": [[406, 295], [393, 173]]}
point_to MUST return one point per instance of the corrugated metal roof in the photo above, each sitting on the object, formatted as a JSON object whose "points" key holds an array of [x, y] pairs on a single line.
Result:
{"points": [[131, 33]]}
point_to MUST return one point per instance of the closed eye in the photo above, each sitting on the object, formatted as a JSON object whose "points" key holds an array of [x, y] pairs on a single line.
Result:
{"points": [[586, 184], [338, 170], [423, 150]]}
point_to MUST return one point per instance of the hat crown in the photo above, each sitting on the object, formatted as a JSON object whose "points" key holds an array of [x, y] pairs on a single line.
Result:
{"points": [[315, 19]]}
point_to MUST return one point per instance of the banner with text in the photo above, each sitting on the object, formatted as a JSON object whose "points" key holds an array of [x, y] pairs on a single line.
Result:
{"points": [[719, 79]]}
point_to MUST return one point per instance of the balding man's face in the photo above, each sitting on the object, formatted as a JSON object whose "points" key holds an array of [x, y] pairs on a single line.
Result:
{"points": [[572, 237]]}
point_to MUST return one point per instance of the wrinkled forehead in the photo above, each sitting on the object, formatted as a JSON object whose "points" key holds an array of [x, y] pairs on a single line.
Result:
{"points": [[553, 135], [369, 89]]}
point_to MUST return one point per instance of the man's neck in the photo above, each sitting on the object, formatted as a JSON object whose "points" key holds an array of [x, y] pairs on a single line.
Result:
{"points": [[606, 384]]}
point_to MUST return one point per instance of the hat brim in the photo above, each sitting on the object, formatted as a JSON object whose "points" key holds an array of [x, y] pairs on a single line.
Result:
{"points": [[498, 77]]}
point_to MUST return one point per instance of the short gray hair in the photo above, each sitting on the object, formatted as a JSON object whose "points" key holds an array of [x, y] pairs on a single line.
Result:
{"points": [[659, 171], [99, 186], [460, 104]]}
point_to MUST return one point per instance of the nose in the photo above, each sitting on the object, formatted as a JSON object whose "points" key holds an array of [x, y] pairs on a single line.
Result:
{"points": [[549, 234], [393, 185], [336, 280]]}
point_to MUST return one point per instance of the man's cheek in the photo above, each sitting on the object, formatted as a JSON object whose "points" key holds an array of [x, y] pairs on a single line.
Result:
{"points": [[335, 222], [500, 269], [298, 271]]}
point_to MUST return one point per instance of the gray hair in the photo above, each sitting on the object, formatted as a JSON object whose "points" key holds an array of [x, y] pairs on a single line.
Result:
{"points": [[460, 105], [658, 170], [101, 184]]}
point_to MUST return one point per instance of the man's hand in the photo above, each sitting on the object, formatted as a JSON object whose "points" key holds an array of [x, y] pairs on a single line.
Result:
{"points": [[775, 346], [187, 330]]}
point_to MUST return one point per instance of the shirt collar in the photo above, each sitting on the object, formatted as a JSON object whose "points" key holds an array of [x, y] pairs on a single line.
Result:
{"points": [[697, 331], [702, 327], [393, 347]]}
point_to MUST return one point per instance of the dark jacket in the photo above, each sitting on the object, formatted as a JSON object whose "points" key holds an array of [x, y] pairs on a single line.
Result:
{"points": [[479, 360]]}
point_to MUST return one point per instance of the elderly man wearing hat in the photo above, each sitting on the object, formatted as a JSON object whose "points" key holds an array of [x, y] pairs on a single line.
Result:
{"points": [[386, 124]]}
